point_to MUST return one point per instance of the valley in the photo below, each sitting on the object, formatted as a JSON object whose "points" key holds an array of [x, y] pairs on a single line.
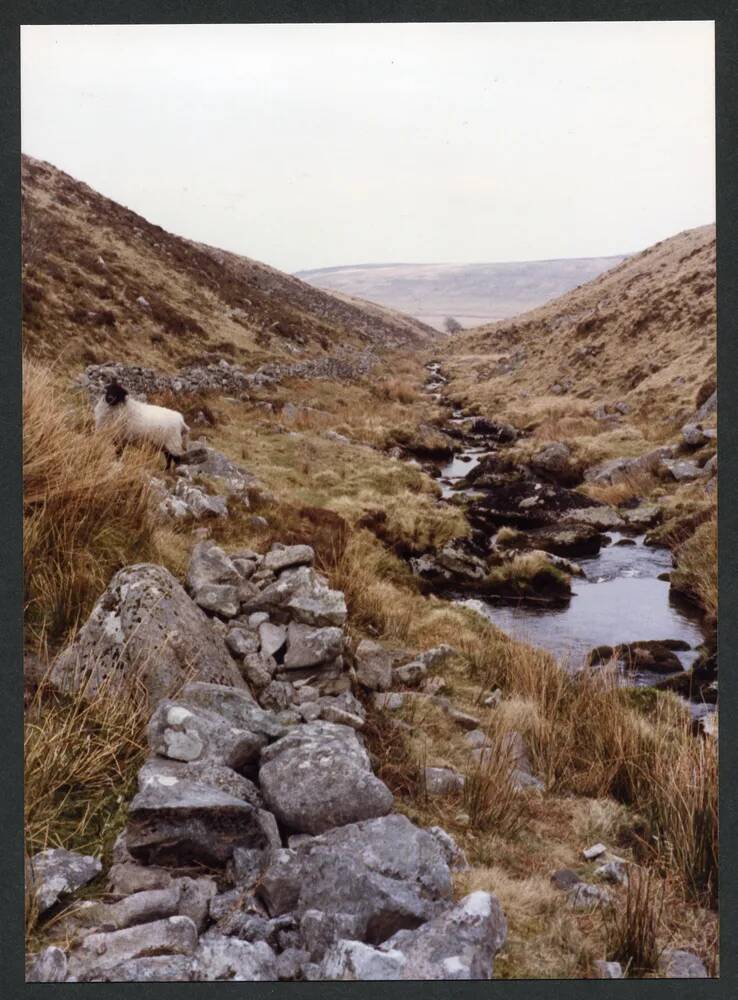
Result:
{"points": [[476, 575]]}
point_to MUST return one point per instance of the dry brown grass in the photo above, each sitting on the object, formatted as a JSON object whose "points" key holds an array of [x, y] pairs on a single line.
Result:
{"points": [[86, 513], [492, 796], [696, 565], [633, 926], [81, 755], [630, 486]]}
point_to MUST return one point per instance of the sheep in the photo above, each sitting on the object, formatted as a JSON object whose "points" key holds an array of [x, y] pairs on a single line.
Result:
{"points": [[136, 421]]}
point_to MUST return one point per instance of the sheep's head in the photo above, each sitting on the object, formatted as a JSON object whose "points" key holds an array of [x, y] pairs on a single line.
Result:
{"points": [[115, 393]]}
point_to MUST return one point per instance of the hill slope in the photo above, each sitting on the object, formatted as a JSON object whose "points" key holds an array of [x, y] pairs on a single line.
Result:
{"points": [[644, 330], [471, 293], [100, 280]]}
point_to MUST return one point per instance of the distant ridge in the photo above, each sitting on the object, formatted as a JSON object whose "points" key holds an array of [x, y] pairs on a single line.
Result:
{"points": [[473, 294]]}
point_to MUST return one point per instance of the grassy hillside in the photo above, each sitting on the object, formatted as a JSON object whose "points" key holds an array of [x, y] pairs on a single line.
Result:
{"points": [[643, 332], [101, 282]]}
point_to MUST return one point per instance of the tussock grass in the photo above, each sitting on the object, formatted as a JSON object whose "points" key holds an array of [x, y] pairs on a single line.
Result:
{"points": [[492, 796], [86, 513], [633, 926], [696, 565], [631, 485]]}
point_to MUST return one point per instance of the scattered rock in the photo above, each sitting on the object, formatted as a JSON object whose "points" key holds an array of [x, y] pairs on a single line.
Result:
{"points": [[48, 966], [104, 951], [280, 557], [584, 896], [608, 970], [565, 878], [442, 780], [373, 666], [596, 851], [676, 963]]}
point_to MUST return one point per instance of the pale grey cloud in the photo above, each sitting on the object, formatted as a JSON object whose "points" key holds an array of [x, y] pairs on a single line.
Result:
{"points": [[312, 145]]}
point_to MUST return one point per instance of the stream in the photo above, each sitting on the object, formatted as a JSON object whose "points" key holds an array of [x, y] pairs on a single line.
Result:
{"points": [[620, 599]]}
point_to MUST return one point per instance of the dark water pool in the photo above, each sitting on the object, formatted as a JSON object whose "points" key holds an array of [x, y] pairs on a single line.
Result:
{"points": [[621, 600]]}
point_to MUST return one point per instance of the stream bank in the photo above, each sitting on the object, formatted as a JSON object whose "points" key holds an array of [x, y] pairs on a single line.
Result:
{"points": [[622, 599]]}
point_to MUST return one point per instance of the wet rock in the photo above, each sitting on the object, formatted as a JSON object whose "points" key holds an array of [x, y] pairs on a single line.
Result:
{"points": [[104, 951], [56, 872], [656, 656], [555, 463], [373, 666], [568, 540], [145, 627], [442, 780], [319, 776], [48, 966], [308, 646], [497, 430], [185, 733], [676, 963], [182, 823], [386, 873], [603, 518]]}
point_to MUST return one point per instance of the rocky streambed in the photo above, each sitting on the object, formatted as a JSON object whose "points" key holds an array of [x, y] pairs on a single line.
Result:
{"points": [[619, 602]]}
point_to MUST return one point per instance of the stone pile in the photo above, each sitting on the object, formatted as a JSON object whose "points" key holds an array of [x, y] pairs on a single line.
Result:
{"points": [[260, 844], [225, 376]]}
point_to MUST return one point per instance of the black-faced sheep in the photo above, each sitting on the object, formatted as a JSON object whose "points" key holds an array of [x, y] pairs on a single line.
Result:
{"points": [[136, 421]]}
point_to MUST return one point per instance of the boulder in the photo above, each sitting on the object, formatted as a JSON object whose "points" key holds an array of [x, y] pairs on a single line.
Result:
{"points": [[56, 872], [138, 908], [145, 627], [174, 822], [682, 470], [460, 943], [411, 674], [97, 953], [186, 733], [356, 961], [281, 557], [383, 875], [157, 969], [319, 776], [555, 463], [308, 646], [373, 666]]}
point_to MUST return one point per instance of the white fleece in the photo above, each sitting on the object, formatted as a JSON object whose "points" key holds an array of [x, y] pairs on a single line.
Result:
{"points": [[138, 421]]}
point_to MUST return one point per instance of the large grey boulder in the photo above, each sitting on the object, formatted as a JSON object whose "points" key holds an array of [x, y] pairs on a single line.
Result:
{"points": [[303, 595], [174, 822], [210, 565], [185, 733], [682, 470], [460, 943], [319, 776], [157, 969], [97, 953], [56, 872], [308, 646], [144, 627], [383, 875], [554, 462]]}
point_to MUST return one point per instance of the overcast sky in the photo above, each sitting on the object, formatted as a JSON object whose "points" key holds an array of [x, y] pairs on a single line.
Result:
{"points": [[315, 145]]}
